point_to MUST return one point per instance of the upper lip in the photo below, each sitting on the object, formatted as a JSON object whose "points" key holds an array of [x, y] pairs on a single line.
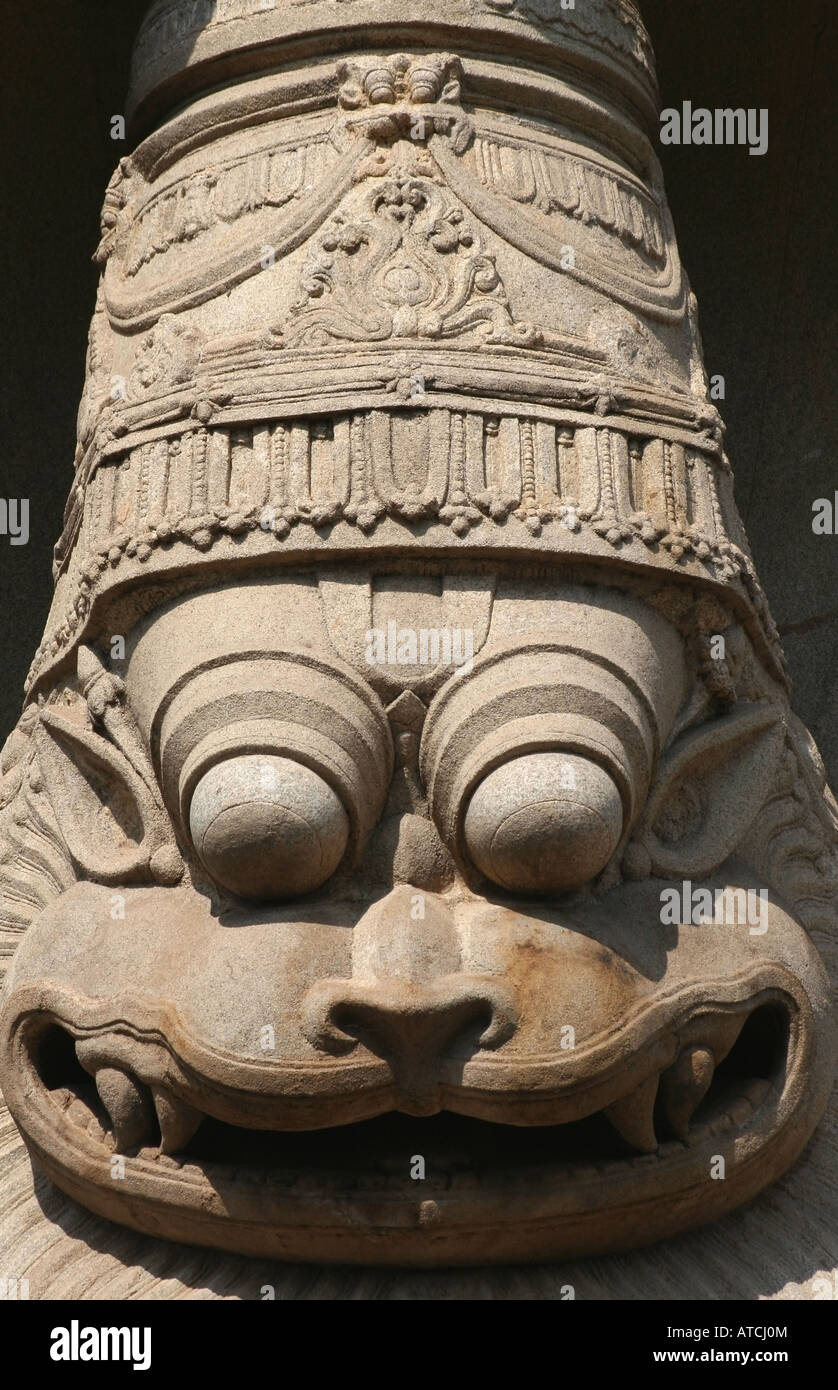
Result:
{"points": [[678, 1044]]}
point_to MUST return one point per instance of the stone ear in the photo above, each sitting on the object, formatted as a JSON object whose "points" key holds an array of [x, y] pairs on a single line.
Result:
{"points": [[112, 826], [709, 788]]}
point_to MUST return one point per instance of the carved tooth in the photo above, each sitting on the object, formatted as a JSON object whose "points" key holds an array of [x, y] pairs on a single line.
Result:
{"points": [[166, 1161], [685, 1085], [95, 1130], [724, 1033], [741, 1111], [757, 1090], [78, 1112], [178, 1120], [129, 1106], [633, 1116]]}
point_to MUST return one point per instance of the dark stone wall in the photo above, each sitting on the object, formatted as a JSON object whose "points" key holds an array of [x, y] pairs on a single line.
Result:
{"points": [[63, 74], [757, 236]]}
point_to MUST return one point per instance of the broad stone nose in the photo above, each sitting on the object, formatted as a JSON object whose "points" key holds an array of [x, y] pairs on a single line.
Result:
{"points": [[413, 1028], [408, 1000]]}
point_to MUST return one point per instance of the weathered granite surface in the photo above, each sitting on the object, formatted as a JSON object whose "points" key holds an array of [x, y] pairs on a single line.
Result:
{"points": [[497, 830], [781, 1246], [768, 312]]}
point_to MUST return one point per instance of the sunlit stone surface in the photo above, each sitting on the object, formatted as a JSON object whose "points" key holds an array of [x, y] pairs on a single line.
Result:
{"points": [[406, 654]]}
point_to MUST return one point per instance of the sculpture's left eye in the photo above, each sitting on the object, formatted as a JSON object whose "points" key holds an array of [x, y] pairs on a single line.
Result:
{"points": [[267, 827], [544, 823], [275, 765]]}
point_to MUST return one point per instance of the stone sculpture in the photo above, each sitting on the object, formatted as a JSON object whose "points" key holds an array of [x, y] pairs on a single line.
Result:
{"points": [[410, 737]]}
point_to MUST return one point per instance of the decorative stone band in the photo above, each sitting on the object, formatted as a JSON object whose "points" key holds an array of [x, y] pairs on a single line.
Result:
{"points": [[515, 163], [187, 46], [429, 481]]}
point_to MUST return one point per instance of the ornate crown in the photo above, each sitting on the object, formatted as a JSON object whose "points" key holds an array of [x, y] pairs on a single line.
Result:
{"points": [[354, 305]]}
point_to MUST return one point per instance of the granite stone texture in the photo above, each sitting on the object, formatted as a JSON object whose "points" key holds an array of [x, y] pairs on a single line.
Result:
{"points": [[412, 850], [755, 240]]}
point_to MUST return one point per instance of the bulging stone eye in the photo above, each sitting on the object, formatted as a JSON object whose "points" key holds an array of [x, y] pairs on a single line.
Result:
{"points": [[538, 760], [544, 823], [267, 827]]}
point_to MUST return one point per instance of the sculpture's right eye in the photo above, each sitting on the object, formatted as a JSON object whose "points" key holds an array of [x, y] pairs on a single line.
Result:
{"points": [[539, 759], [267, 827], [275, 765], [544, 823]]}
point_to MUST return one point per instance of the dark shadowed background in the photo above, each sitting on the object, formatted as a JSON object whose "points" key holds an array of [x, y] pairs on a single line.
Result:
{"points": [[757, 235]]}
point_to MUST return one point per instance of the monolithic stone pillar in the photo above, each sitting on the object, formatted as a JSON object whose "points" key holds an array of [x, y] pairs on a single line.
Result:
{"points": [[408, 765]]}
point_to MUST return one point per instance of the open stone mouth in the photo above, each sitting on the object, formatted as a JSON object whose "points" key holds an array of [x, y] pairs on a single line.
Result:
{"points": [[693, 1101]]}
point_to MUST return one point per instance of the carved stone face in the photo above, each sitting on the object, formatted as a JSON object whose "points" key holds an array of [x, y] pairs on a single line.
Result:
{"points": [[432, 913], [409, 848]]}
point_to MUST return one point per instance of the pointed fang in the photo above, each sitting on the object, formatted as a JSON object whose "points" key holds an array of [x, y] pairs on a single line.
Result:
{"points": [[633, 1116], [684, 1087], [178, 1120], [129, 1107]]}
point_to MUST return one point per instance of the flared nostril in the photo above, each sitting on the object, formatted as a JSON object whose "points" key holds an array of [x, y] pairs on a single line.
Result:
{"points": [[409, 1001], [544, 823], [267, 827], [426, 1025], [413, 1028]]}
